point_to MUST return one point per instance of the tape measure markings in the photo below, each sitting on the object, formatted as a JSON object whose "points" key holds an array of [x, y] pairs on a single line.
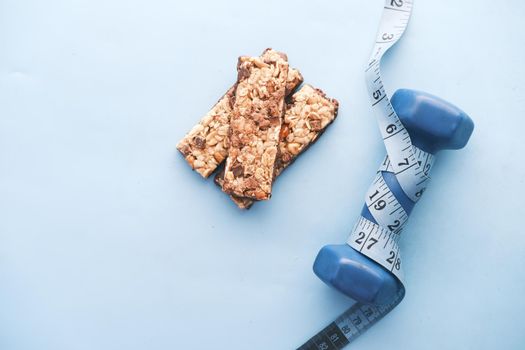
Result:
{"points": [[349, 325], [385, 206], [389, 122], [410, 165], [424, 159], [379, 244], [396, 9]]}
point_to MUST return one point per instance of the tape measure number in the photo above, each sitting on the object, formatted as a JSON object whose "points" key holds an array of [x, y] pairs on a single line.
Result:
{"points": [[348, 326], [411, 167], [380, 241], [394, 21]]}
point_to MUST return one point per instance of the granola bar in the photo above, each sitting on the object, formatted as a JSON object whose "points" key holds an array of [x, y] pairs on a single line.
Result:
{"points": [[206, 145], [241, 202], [307, 116], [293, 80], [255, 125]]}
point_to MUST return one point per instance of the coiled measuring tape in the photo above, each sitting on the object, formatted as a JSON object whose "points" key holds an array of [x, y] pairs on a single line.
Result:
{"points": [[411, 167], [379, 241]]}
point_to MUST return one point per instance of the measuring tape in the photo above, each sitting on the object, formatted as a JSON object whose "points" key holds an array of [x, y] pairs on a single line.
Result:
{"points": [[411, 167], [382, 203], [348, 326], [379, 241], [397, 141]]}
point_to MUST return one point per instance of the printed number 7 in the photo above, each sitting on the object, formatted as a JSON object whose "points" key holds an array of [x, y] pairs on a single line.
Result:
{"points": [[372, 241], [406, 162]]}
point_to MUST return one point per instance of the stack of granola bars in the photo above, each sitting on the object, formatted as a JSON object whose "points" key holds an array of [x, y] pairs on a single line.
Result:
{"points": [[258, 128]]}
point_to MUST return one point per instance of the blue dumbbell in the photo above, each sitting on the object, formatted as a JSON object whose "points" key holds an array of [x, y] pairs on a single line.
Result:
{"points": [[433, 125]]}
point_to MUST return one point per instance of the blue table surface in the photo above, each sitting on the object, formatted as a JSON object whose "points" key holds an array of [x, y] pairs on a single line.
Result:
{"points": [[109, 241]]}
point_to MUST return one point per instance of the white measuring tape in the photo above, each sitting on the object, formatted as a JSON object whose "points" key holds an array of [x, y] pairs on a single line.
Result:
{"points": [[397, 141], [382, 203], [411, 167], [379, 241]]}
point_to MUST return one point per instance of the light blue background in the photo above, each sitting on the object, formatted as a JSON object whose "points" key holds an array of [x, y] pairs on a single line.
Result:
{"points": [[109, 241]]}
